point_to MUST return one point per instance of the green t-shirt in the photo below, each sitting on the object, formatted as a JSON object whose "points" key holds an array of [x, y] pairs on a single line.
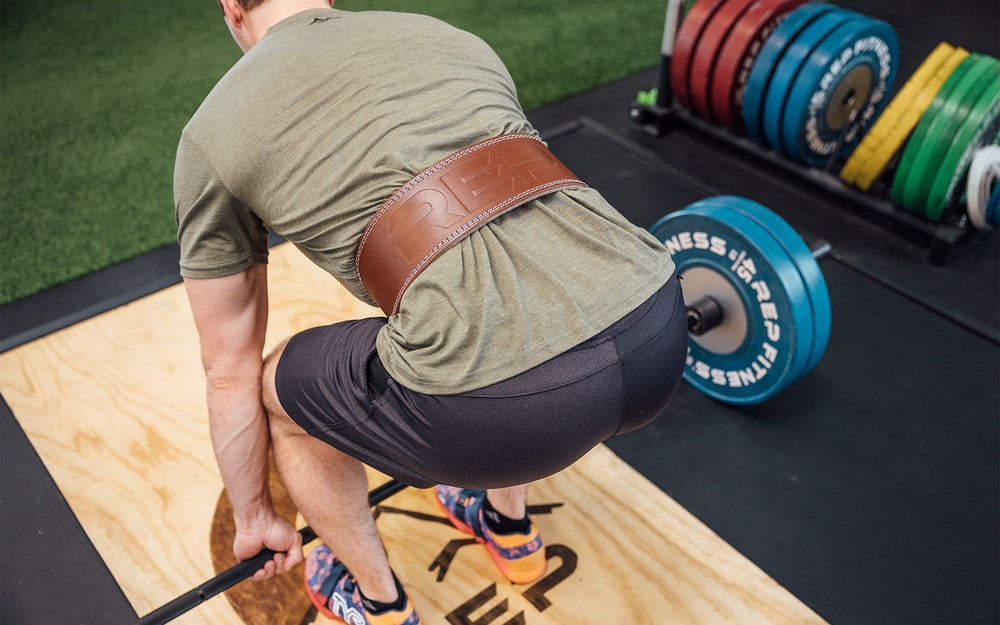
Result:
{"points": [[333, 111]]}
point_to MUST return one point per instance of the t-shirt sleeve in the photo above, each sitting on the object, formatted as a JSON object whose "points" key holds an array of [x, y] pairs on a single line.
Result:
{"points": [[218, 234]]}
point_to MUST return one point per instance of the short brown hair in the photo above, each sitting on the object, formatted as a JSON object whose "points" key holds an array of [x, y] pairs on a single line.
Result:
{"points": [[249, 4], [246, 5]]}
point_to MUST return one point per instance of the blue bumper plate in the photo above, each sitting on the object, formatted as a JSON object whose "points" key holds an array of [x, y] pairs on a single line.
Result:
{"points": [[737, 253], [762, 73]]}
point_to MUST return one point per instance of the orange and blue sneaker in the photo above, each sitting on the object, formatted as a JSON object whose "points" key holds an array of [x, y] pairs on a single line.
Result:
{"points": [[336, 595], [520, 556]]}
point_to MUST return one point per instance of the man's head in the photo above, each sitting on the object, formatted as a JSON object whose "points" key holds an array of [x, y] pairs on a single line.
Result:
{"points": [[248, 20], [248, 5]]}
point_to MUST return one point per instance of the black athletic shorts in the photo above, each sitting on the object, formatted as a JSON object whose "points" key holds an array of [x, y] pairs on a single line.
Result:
{"points": [[331, 382]]}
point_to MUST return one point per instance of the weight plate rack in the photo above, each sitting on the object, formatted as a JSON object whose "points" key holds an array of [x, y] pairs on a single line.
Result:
{"points": [[804, 87]]}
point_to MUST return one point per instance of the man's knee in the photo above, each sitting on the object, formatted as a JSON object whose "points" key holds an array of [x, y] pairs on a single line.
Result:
{"points": [[275, 413]]}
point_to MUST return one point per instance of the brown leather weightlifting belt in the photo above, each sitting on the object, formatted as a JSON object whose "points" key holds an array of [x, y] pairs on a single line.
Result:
{"points": [[444, 204]]}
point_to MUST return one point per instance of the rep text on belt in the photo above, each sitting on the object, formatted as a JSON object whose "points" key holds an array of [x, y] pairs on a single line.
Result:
{"points": [[445, 203]]}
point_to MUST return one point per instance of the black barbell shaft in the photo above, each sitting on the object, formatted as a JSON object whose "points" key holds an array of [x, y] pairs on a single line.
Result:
{"points": [[243, 570], [703, 315]]}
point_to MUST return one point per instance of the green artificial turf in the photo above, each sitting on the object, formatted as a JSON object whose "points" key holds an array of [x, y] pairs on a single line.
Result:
{"points": [[94, 94]]}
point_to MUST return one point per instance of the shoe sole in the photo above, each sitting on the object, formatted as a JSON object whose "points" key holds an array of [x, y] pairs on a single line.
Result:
{"points": [[320, 603]]}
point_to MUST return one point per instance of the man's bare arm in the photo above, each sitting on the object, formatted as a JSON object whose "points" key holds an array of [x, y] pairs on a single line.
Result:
{"points": [[231, 316]]}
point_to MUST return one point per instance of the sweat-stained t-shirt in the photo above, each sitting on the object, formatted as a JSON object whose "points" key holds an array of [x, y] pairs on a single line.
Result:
{"points": [[325, 118]]}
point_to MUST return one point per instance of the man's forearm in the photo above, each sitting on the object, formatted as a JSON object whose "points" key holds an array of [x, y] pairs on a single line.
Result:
{"points": [[241, 440], [231, 316]]}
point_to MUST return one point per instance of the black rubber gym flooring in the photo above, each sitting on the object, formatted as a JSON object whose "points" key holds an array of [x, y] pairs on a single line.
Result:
{"points": [[869, 488]]}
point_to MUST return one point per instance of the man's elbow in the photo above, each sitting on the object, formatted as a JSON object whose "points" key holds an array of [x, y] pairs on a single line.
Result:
{"points": [[232, 374]]}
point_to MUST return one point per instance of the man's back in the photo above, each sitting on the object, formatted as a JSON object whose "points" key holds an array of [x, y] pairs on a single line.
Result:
{"points": [[332, 112]]}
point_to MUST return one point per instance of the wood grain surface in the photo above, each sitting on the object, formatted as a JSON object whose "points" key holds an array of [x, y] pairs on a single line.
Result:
{"points": [[115, 408]]}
